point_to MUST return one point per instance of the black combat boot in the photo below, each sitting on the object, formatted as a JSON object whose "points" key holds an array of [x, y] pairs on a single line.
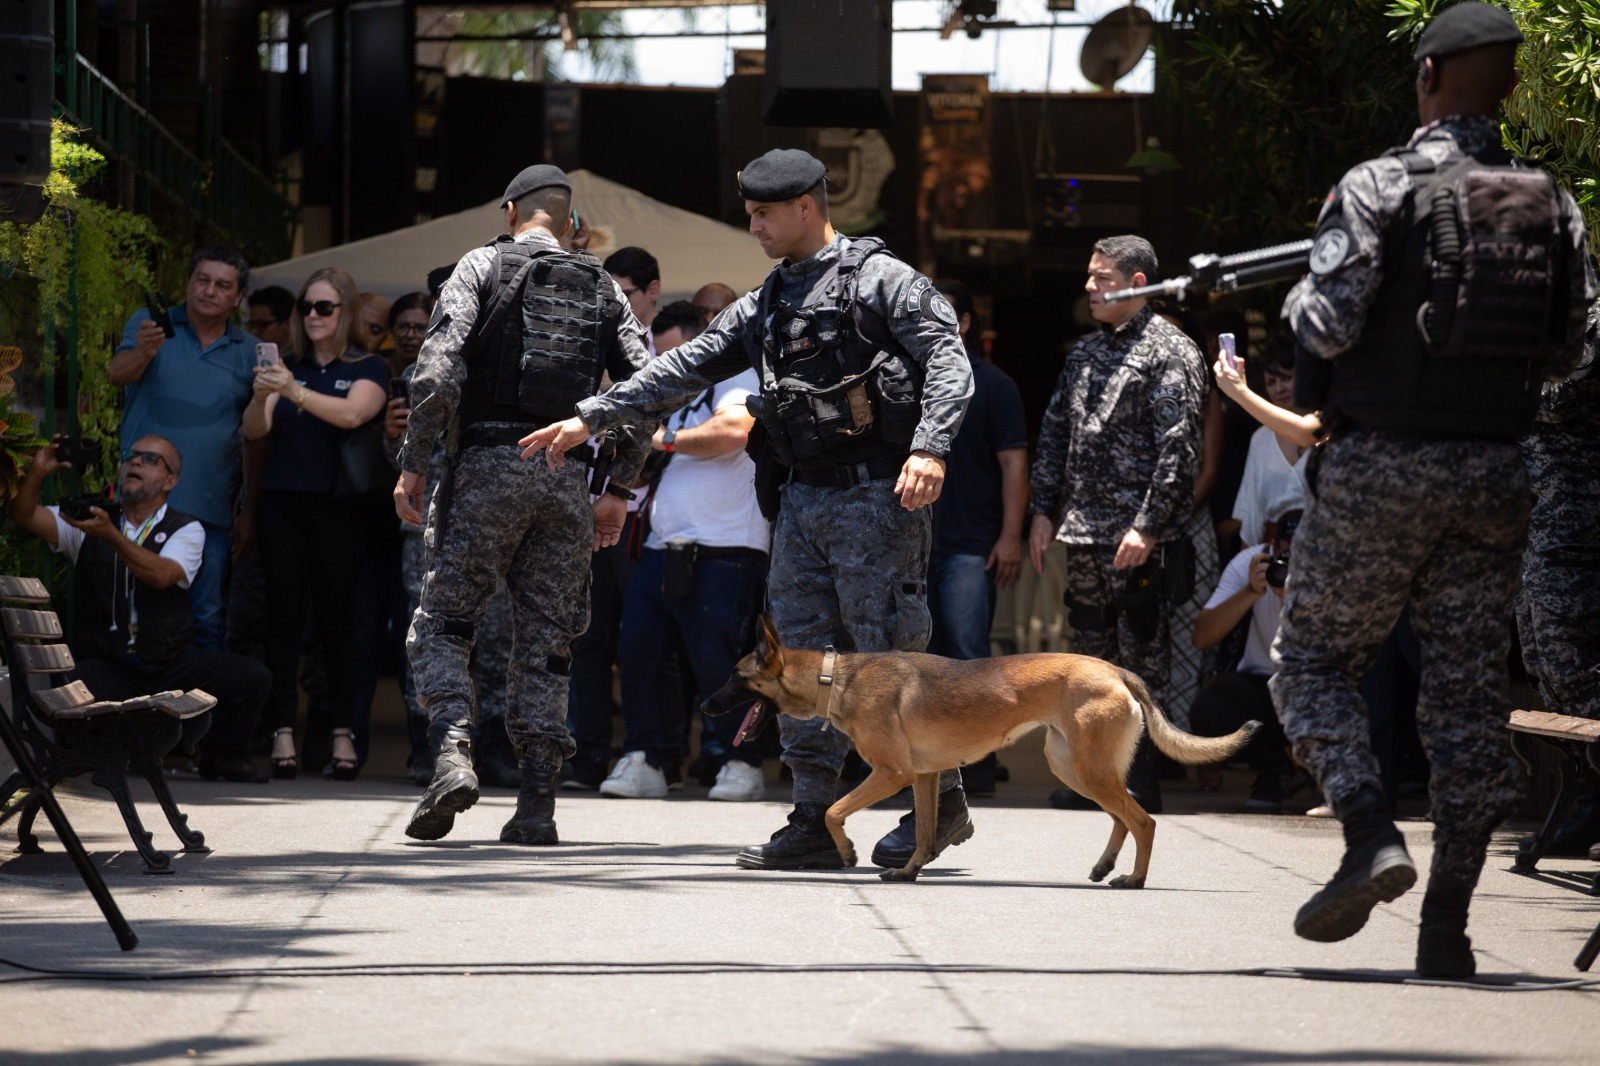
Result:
{"points": [[493, 757], [1444, 952], [954, 827], [803, 844], [454, 787], [535, 820], [1376, 869]]}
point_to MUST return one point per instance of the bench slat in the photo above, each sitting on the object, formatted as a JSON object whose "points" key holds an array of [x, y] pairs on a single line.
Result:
{"points": [[30, 625], [44, 658], [1562, 726], [23, 589], [183, 704], [59, 702]]}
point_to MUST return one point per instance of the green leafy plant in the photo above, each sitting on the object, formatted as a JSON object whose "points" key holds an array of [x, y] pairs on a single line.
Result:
{"points": [[69, 281], [1553, 117]]}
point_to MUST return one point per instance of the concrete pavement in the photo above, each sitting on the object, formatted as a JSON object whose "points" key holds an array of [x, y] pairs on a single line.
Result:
{"points": [[638, 941]]}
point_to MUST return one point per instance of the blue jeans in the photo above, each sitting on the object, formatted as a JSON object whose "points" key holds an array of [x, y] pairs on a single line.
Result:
{"points": [[206, 594], [716, 626], [961, 596]]}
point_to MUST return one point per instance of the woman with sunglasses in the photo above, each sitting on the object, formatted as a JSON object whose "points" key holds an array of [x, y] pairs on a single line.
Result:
{"points": [[311, 536]]}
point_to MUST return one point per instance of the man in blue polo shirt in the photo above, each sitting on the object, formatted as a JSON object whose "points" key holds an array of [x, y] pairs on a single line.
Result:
{"points": [[192, 388]]}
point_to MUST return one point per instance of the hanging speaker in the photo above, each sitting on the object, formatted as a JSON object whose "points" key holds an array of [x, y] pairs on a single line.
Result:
{"points": [[828, 63], [25, 91]]}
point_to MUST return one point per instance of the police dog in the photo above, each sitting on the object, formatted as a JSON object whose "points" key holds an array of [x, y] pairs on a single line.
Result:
{"points": [[913, 715]]}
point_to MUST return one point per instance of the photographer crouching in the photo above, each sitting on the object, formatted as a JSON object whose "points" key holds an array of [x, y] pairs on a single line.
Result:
{"points": [[1252, 584], [134, 560]]}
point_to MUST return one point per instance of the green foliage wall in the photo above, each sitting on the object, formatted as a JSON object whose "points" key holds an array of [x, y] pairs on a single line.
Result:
{"points": [[69, 281]]}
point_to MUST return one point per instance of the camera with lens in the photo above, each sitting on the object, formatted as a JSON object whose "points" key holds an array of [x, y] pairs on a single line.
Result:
{"points": [[1278, 563], [77, 508]]}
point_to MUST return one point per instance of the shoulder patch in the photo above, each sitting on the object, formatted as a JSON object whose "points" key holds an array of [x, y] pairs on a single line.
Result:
{"points": [[1330, 251], [1166, 407]]}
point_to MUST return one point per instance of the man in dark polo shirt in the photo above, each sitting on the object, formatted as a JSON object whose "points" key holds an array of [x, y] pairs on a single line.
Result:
{"points": [[133, 625]]}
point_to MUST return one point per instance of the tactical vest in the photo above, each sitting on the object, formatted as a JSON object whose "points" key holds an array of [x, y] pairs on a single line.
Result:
{"points": [[100, 599], [836, 387], [539, 346], [1473, 304]]}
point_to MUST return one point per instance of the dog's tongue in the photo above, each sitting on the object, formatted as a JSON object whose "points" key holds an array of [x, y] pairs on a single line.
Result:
{"points": [[747, 728]]}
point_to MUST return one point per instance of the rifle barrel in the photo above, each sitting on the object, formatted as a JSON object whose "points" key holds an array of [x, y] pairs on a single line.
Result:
{"points": [[1228, 273]]}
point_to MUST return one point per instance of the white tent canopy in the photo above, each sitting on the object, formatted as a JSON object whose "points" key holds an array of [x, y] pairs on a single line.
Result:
{"points": [[693, 250]]}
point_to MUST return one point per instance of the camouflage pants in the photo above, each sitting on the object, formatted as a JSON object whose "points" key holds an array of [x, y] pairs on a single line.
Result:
{"points": [[1558, 613], [534, 528], [1440, 522], [849, 568], [491, 652], [1100, 625]]}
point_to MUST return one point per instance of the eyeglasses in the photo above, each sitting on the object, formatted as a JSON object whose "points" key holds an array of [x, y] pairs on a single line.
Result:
{"points": [[630, 292], [324, 308], [410, 329], [147, 458], [255, 325]]}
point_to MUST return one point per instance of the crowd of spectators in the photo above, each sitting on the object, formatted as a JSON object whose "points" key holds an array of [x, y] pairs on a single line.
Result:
{"points": [[287, 466]]}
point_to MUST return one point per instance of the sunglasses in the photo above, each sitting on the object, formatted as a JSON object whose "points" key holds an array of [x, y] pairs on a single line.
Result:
{"points": [[147, 458], [323, 308], [410, 329], [254, 324]]}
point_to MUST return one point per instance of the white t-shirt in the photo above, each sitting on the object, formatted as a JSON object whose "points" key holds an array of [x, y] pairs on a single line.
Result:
{"points": [[710, 499], [186, 546], [1267, 478], [1257, 657]]}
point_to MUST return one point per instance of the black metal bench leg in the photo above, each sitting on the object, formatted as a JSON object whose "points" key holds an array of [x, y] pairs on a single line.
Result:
{"points": [[1591, 950], [114, 779], [149, 768], [27, 842], [1532, 848]]}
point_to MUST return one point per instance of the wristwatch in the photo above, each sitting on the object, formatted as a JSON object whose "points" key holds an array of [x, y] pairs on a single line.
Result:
{"points": [[668, 435]]}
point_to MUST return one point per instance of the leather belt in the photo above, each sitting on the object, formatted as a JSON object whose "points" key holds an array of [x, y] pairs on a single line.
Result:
{"points": [[706, 551], [844, 477]]}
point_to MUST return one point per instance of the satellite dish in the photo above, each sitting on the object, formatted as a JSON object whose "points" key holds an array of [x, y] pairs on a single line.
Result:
{"points": [[1116, 44]]}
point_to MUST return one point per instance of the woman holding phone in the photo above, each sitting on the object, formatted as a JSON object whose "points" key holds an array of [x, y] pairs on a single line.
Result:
{"points": [[311, 530]]}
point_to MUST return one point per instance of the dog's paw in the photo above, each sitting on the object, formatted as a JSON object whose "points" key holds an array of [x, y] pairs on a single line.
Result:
{"points": [[1100, 871], [1127, 881], [906, 874], [848, 854]]}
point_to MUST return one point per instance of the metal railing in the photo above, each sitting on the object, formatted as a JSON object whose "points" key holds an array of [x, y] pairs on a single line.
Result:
{"points": [[223, 189]]}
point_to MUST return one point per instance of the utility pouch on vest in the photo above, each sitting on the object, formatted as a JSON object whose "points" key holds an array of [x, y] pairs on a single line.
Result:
{"points": [[677, 579], [899, 399], [1495, 242]]}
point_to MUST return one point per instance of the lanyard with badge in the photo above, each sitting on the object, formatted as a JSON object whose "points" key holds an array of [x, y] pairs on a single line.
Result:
{"points": [[138, 535]]}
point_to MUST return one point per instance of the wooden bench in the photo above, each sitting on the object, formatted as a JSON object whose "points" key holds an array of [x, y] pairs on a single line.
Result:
{"points": [[69, 732], [1575, 742]]}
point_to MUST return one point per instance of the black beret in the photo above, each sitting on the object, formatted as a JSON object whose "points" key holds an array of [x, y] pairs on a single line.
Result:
{"points": [[781, 174], [538, 176], [1467, 26]]}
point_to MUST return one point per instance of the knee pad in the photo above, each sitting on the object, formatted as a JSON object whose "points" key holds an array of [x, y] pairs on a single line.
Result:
{"points": [[1090, 618]]}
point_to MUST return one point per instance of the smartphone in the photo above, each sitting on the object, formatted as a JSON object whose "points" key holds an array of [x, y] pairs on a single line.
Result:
{"points": [[267, 354], [1228, 346], [156, 304], [400, 389], [78, 451]]}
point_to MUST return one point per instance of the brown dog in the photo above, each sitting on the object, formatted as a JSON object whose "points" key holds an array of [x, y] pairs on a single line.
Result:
{"points": [[912, 715]]}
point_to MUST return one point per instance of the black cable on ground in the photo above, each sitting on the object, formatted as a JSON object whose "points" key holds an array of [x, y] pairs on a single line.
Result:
{"points": [[634, 969]]}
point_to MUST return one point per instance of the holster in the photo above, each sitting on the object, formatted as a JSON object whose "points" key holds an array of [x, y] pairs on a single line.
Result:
{"points": [[1143, 599], [771, 474]]}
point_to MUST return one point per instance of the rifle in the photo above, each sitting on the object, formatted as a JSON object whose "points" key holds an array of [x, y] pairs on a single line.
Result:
{"points": [[1227, 273]]}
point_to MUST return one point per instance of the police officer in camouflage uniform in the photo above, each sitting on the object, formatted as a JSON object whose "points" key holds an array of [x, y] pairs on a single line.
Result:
{"points": [[863, 385], [1113, 477], [1558, 611], [523, 329], [1420, 493]]}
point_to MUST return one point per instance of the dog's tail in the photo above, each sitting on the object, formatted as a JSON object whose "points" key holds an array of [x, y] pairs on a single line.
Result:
{"points": [[1174, 742]]}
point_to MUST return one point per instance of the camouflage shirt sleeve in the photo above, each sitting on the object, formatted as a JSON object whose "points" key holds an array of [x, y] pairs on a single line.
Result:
{"points": [[1327, 309], [1178, 403], [442, 367], [1046, 481], [1583, 290], [628, 356], [925, 325], [672, 379]]}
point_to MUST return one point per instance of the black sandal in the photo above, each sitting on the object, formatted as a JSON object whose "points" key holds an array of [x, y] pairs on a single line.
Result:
{"points": [[343, 769], [285, 767]]}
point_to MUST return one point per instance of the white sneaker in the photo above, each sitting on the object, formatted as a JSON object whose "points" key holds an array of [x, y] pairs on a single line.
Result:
{"points": [[633, 778], [739, 782]]}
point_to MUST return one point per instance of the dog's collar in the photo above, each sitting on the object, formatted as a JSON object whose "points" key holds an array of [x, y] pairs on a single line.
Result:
{"points": [[825, 689]]}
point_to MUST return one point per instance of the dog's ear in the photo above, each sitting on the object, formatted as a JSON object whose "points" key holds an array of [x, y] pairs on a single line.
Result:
{"points": [[770, 651]]}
